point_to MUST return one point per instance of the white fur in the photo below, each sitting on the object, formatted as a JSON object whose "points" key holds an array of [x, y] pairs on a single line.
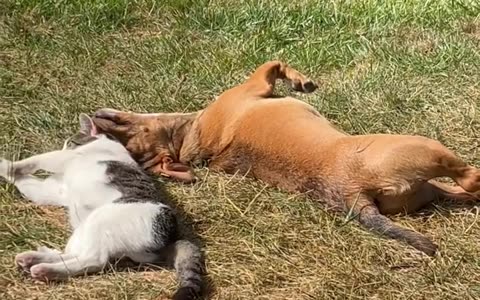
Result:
{"points": [[102, 230]]}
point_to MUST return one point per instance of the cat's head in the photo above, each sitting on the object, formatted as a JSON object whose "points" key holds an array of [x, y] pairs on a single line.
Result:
{"points": [[88, 133]]}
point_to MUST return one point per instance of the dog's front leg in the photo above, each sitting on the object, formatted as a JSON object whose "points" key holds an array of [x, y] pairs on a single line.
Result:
{"points": [[262, 82]]}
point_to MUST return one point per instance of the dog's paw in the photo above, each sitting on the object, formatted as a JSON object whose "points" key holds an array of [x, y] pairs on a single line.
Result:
{"points": [[309, 86], [304, 86]]}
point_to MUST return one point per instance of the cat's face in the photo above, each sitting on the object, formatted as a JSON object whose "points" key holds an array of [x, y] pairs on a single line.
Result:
{"points": [[88, 133], [79, 139]]}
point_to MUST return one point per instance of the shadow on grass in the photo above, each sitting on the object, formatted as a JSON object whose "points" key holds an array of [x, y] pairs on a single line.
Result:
{"points": [[186, 231]]}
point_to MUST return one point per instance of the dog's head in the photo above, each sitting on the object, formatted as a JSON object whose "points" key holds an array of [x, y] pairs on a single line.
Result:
{"points": [[153, 140]]}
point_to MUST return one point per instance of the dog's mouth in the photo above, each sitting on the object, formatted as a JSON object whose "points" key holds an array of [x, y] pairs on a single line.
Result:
{"points": [[102, 120], [110, 115], [113, 122], [104, 125], [107, 118]]}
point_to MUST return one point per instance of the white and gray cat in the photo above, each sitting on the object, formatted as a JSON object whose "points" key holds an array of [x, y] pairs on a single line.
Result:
{"points": [[114, 208]]}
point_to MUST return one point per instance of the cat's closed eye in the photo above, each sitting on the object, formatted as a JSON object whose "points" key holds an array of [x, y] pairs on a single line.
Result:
{"points": [[78, 140]]}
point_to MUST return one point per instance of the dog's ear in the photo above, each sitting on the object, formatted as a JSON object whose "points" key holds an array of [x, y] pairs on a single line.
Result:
{"points": [[178, 171], [86, 125]]}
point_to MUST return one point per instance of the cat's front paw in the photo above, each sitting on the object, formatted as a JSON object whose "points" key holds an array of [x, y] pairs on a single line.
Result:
{"points": [[6, 169]]}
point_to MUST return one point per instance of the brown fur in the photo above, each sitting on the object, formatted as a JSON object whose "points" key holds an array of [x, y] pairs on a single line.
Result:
{"points": [[288, 144]]}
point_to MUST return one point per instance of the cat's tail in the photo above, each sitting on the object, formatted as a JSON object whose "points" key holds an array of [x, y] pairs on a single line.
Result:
{"points": [[188, 262]]}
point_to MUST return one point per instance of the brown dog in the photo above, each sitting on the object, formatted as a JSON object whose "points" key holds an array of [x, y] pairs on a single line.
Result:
{"points": [[288, 144]]}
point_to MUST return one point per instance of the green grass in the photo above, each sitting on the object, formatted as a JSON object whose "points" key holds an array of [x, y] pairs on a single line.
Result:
{"points": [[387, 66]]}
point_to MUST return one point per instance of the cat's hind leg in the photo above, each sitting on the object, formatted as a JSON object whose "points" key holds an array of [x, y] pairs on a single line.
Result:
{"points": [[26, 260], [84, 254], [61, 270], [110, 231]]}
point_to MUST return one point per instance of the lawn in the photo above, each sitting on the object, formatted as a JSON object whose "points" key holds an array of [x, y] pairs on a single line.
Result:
{"points": [[409, 66]]}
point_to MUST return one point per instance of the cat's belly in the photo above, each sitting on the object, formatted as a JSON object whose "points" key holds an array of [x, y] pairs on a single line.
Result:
{"points": [[78, 213], [82, 201]]}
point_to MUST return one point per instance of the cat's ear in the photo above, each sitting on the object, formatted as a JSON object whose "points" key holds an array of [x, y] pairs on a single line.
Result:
{"points": [[87, 126]]}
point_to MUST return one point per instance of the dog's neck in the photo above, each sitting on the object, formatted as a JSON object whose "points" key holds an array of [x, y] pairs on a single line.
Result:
{"points": [[186, 138]]}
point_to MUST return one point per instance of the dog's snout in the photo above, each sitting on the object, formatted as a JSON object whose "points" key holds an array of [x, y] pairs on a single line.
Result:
{"points": [[111, 115], [105, 113]]}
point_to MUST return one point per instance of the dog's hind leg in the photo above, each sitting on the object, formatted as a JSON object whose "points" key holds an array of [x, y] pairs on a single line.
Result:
{"points": [[435, 160], [445, 191], [464, 175], [420, 196], [402, 169]]}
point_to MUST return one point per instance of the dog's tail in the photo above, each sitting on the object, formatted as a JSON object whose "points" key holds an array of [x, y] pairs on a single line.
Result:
{"points": [[187, 260], [371, 218]]}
